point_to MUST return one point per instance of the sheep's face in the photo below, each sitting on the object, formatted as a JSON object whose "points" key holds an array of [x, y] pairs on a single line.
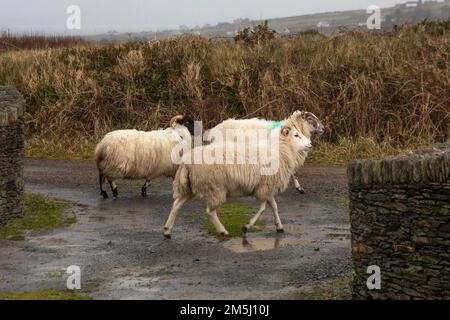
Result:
{"points": [[315, 125], [186, 122], [297, 139]]}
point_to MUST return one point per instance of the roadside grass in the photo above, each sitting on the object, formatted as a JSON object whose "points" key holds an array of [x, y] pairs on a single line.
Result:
{"points": [[60, 148], [340, 153], [234, 216], [368, 87], [335, 289], [346, 150], [46, 294], [40, 212]]}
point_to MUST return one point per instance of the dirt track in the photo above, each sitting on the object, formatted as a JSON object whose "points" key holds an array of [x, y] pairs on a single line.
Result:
{"points": [[122, 253]]}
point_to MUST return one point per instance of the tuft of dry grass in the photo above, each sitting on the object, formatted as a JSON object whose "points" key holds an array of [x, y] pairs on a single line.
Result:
{"points": [[390, 90], [36, 41]]}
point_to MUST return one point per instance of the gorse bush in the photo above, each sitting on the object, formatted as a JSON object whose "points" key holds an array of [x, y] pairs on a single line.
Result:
{"points": [[392, 88], [258, 35]]}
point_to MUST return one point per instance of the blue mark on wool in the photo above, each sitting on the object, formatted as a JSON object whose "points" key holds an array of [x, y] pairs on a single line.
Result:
{"points": [[276, 124]]}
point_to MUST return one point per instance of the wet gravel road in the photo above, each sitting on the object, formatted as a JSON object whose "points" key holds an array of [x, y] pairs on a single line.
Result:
{"points": [[119, 244]]}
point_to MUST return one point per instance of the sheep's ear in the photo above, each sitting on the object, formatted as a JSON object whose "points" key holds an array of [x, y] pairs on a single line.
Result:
{"points": [[298, 115], [312, 120], [285, 131]]}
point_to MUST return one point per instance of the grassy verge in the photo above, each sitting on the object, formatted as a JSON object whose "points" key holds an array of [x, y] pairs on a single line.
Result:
{"points": [[339, 153], [360, 84], [57, 148], [345, 150], [40, 212], [335, 289], [234, 216], [46, 294]]}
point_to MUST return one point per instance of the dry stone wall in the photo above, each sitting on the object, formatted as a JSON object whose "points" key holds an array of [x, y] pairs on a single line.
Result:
{"points": [[400, 221], [12, 106]]}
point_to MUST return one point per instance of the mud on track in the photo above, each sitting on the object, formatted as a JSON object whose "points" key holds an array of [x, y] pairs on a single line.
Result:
{"points": [[122, 253]]}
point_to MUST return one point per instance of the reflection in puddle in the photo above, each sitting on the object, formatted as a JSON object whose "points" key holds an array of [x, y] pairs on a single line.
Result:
{"points": [[240, 245], [288, 228]]}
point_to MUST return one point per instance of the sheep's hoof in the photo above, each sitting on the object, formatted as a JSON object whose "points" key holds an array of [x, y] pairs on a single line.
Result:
{"points": [[224, 234], [144, 192], [167, 236], [104, 195], [246, 228], [115, 193], [280, 230], [301, 190]]}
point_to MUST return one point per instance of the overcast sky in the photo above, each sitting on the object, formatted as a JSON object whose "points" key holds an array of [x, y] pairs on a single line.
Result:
{"points": [[144, 15]]}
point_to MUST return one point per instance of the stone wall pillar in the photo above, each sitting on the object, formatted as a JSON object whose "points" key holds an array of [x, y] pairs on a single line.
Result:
{"points": [[400, 221], [12, 106]]}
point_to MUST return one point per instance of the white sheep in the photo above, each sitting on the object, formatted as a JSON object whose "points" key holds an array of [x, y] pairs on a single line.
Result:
{"points": [[132, 154], [213, 183], [315, 126]]}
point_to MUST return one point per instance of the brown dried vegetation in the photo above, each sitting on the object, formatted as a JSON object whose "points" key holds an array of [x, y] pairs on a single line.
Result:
{"points": [[392, 88]]}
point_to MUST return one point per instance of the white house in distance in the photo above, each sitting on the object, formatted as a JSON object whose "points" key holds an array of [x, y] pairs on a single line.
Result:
{"points": [[411, 4], [414, 3], [323, 24]]}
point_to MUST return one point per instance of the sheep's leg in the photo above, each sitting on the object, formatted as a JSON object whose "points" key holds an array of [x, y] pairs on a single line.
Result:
{"points": [[255, 218], [278, 223], [144, 189], [102, 191], [113, 186], [212, 213], [177, 204], [298, 186]]}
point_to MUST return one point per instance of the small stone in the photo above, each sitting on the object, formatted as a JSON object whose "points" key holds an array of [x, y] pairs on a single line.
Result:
{"points": [[361, 248], [403, 248]]}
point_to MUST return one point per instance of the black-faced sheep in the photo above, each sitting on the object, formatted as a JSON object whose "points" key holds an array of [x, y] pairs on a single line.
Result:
{"points": [[132, 154]]}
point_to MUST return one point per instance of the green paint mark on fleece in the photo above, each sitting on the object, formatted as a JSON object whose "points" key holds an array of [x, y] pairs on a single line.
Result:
{"points": [[276, 124]]}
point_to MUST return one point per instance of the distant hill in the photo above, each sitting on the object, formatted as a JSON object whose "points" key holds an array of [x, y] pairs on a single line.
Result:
{"points": [[409, 12]]}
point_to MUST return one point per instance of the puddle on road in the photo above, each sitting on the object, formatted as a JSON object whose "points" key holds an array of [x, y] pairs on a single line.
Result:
{"points": [[134, 288], [242, 245], [54, 241], [259, 242], [339, 236], [288, 228], [97, 218]]}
